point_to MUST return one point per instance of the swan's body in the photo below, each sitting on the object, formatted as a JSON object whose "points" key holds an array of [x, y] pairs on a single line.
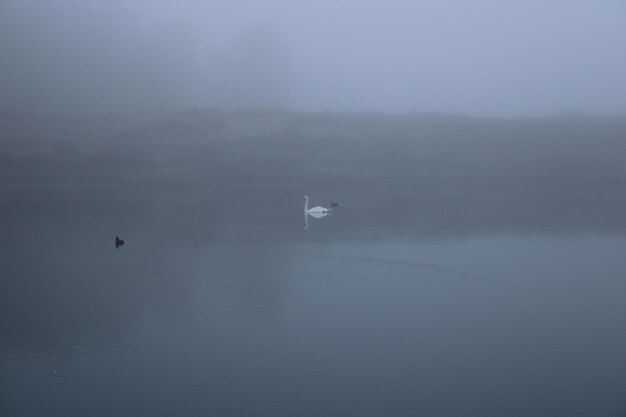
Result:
{"points": [[317, 209]]}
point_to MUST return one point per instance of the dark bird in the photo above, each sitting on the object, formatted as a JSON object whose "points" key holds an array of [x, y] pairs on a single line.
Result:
{"points": [[118, 242]]}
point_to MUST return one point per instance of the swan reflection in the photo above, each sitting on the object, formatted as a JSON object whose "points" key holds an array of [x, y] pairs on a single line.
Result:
{"points": [[316, 215]]}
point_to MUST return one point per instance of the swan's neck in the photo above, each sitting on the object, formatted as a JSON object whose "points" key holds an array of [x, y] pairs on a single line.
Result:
{"points": [[306, 203]]}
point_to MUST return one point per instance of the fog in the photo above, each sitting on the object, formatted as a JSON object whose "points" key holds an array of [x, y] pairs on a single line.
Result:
{"points": [[471, 260], [482, 58]]}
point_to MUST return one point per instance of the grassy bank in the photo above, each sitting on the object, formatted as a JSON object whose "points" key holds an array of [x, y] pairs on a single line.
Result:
{"points": [[282, 147]]}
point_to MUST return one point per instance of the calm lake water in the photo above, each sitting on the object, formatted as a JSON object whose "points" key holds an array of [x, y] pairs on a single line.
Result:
{"points": [[431, 301]]}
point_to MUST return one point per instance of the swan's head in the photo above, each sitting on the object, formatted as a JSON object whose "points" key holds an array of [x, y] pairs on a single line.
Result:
{"points": [[306, 197]]}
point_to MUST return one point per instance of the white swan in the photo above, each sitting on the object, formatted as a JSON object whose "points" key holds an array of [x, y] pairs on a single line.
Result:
{"points": [[317, 209]]}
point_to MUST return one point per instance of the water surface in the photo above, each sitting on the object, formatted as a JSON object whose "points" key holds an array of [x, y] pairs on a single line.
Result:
{"points": [[484, 301]]}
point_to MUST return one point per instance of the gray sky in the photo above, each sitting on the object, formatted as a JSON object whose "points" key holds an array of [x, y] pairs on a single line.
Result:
{"points": [[480, 57]]}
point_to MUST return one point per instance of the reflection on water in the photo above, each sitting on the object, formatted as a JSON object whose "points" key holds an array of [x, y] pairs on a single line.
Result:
{"points": [[316, 215], [483, 302]]}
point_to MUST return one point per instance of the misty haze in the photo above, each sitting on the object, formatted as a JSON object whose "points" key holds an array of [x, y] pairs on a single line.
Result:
{"points": [[460, 250]]}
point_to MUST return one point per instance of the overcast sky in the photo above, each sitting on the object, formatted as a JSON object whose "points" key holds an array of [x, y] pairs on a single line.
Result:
{"points": [[480, 57]]}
